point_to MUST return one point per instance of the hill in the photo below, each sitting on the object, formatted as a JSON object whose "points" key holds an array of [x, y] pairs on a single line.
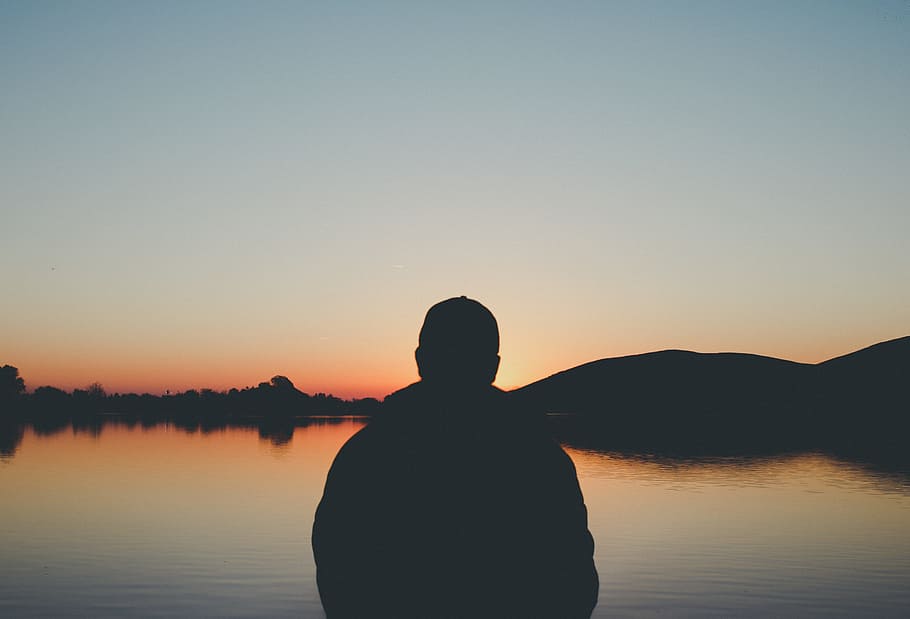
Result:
{"points": [[712, 395]]}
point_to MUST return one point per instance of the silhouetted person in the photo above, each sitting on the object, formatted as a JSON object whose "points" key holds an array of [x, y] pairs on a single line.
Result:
{"points": [[451, 502]]}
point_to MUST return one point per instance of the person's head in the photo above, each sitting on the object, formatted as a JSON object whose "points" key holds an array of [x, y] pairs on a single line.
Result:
{"points": [[458, 344]]}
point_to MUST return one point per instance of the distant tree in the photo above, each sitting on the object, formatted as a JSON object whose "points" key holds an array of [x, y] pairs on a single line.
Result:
{"points": [[49, 395], [282, 382], [50, 408], [95, 391], [11, 384]]}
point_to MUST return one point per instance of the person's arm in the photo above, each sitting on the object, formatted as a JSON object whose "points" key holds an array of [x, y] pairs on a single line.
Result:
{"points": [[572, 581], [340, 529]]}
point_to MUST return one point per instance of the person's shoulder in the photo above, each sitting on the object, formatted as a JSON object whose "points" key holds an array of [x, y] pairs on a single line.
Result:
{"points": [[525, 418], [531, 426], [405, 397], [355, 448], [373, 436], [401, 409]]}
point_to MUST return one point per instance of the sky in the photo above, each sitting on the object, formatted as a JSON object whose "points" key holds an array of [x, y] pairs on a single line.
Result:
{"points": [[207, 194]]}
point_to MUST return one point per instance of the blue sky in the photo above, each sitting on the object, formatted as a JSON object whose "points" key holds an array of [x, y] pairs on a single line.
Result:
{"points": [[209, 193]]}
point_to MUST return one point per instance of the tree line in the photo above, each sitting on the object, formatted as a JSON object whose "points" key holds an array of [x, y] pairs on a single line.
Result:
{"points": [[277, 398]]}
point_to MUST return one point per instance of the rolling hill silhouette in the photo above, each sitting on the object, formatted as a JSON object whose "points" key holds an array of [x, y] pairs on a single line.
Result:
{"points": [[877, 377], [734, 396]]}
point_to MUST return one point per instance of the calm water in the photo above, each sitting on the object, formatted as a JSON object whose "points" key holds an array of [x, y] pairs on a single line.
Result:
{"points": [[161, 522]]}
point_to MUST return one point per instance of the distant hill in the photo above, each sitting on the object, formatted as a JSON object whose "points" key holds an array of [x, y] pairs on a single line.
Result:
{"points": [[676, 391], [891, 353], [874, 380]]}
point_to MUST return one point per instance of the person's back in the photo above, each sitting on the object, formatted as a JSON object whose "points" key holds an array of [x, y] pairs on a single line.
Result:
{"points": [[453, 503]]}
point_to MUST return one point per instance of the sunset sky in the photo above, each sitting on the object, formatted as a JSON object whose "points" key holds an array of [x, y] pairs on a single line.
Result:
{"points": [[206, 194]]}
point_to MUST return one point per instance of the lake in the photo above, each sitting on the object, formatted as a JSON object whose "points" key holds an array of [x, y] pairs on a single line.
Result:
{"points": [[119, 520]]}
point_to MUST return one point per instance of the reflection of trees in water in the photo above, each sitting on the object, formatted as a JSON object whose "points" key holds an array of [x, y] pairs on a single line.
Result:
{"points": [[47, 426], [10, 437], [279, 432], [91, 426]]}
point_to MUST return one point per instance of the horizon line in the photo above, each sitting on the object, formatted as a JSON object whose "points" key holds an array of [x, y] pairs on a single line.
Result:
{"points": [[357, 394]]}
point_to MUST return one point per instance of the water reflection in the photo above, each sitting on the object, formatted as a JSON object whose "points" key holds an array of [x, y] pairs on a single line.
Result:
{"points": [[146, 521], [10, 436], [889, 469], [279, 432], [739, 471], [881, 460], [797, 534]]}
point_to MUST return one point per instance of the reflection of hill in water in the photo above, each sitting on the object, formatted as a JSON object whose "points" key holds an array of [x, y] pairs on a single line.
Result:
{"points": [[886, 459]]}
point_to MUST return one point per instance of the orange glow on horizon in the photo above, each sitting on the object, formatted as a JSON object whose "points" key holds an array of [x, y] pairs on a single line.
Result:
{"points": [[355, 378]]}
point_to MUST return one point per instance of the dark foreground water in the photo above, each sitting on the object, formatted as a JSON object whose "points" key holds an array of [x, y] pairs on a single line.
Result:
{"points": [[161, 522]]}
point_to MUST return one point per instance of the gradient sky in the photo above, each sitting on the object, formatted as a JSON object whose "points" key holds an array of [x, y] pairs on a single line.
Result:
{"points": [[205, 194]]}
